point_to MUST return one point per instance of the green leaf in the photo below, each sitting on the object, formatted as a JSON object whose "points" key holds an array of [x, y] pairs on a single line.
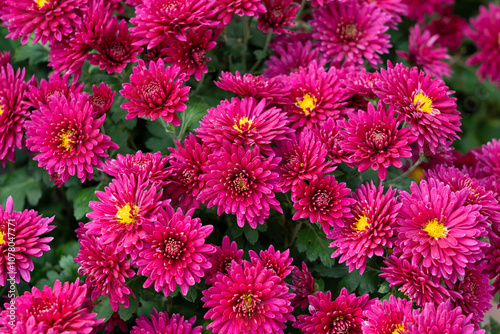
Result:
{"points": [[34, 53], [251, 235], [259, 54], [81, 206], [192, 294], [103, 309], [69, 267], [369, 282], [312, 240], [384, 287], [126, 313], [20, 186], [351, 281]]}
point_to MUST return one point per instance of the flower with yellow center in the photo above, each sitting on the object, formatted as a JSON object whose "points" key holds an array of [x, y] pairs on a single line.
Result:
{"points": [[307, 104], [435, 229], [361, 224], [423, 103], [67, 139], [41, 3], [126, 214], [1, 109], [244, 124], [399, 329], [2, 240]]}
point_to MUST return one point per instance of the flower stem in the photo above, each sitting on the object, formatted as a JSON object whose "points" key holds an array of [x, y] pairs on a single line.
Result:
{"points": [[264, 50], [167, 130]]}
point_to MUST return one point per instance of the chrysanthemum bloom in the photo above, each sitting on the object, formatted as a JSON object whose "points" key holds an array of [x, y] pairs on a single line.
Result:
{"points": [[13, 112], [224, 9], [492, 259], [323, 200], [424, 53], [350, 32], [372, 139], [489, 158], [116, 48], [278, 262], [442, 318], [52, 310], [126, 205], [4, 58], [175, 253], [369, 228], [416, 284], [437, 229], [449, 28], [290, 57], [67, 138], [156, 20], [101, 99], [24, 230], [55, 87], [106, 271], [155, 91], [222, 258], [190, 54], [249, 85], [360, 84], [394, 8], [241, 181], [417, 9], [244, 121], [50, 20], [388, 316], [423, 102], [303, 286], [303, 157], [249, 300], [161, 323], [278, 15], [150, 167], [344, 315], [330, 134]]}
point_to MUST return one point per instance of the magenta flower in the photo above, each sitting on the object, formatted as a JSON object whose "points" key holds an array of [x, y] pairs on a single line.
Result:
{"points": [[222, 258], [250, 299], [50, 20], [388, 316], [161, 323], [5, 57], [343, 315], [331, 135], [417, 9], [449, 28], [224, 9], [155, 91], [368, 229], [278, 15], [242, 182], [303, 286], [492, 259], [20, 236], [349, 32], [323, 200], [372, 139], [174, 252], [101, 99], [488, 157], [55, 87], [67, 138], [52, 310], [278, 262], [394, 8]]}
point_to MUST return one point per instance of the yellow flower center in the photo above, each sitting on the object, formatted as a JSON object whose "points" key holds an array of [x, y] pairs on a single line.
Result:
{"points": [[243, 124], [67, 138], [2, 240], [307, 104], [361, 224], [41, 3], [417, 173], [423, 103], [399, 329], [1, 109], [126, 213], [435, 229]]}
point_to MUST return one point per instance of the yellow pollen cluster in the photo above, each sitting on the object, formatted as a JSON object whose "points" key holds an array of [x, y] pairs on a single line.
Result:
{"points": [[307, 104], [1, 109], [435, 229], [399, 329], [41, 3], [423, 103], [2, 240], [67, 140], [126, 213], [361, 224], [242, 123]]}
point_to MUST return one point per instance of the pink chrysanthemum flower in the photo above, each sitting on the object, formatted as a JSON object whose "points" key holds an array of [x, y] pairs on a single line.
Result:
{"points": [[190, 54], [331, 135], [126, 206], [156, 91], [256, 86], [156, 20], [101, 99], [416, 284], [488, 157], [350, 32], [244, 121], [224, 9], [492, 259], [360, 84], [50, 20], [278, 262], [423, 102], [388, 316], [222, 258], [52, 310], [442, 236], [369, 228], [323, 200], [186, 165], [449, 28], [249, 300], [442, 318], [344, 315], [13, 112], [5, 57], [67, 138], [175, 253], [302, 158], [106, 271], [24, 230], [303, 286], [241, 181], [55, 87], [290, 57], [278, 15], [315, 95], [394, 8], [372, 139], [161, 323], [423, 52], [417, 9]]}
